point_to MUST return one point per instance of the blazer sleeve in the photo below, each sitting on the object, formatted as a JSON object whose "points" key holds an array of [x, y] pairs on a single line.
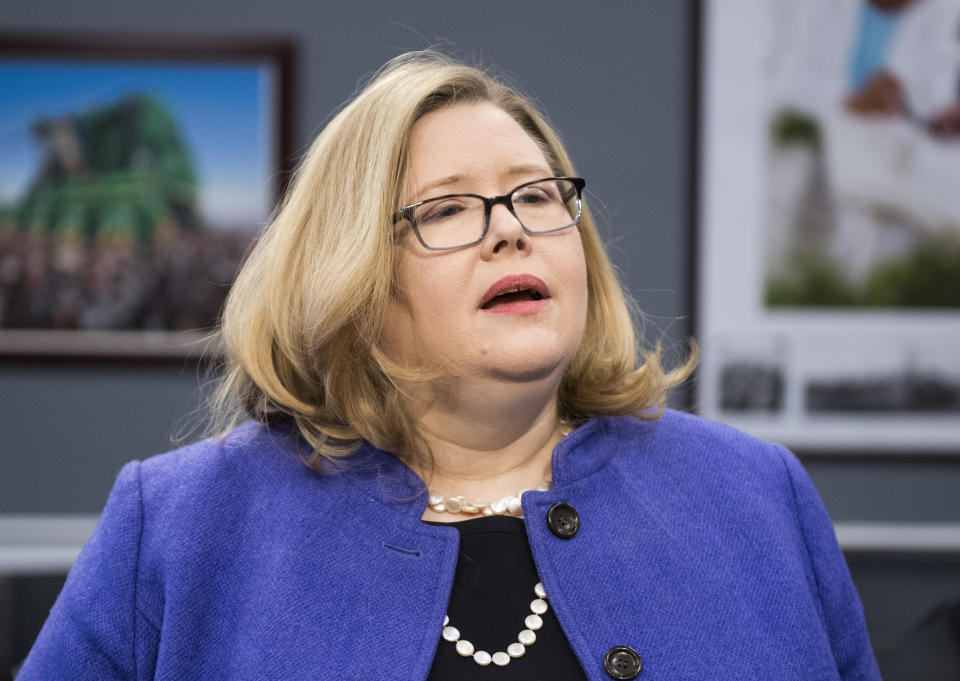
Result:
{"points": [[94, 630], [839, 603]]}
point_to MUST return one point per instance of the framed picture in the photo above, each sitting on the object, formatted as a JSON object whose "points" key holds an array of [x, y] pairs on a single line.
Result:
{"points": [[135, 173], [828, 238]]}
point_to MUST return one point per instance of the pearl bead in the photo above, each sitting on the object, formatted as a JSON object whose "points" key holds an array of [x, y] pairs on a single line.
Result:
{"points": [[450, 633], [514, 506], [487, 510], [439, 508], [465, 648], [527, 637], [453, 505], [543, 486], [533, 622], [446, 620], [482, 658], [516, 650], [498, 506], [538, 606], [501, 659], [435, 499], [539, 590]]}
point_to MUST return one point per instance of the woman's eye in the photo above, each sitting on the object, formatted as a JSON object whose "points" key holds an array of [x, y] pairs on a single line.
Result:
{"points": [[443, 211], [533, 197]]}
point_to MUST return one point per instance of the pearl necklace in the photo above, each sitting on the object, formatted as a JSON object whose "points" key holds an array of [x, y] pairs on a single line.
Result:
{"points": [[508, 505], [525, 638]]}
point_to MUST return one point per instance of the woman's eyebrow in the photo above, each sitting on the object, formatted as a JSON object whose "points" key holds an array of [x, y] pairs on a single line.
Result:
{"points": [[512, 171], [528, 169], [443, 182]]}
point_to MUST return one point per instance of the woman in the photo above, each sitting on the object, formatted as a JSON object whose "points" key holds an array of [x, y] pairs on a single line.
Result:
{"points": [[429, 327]]}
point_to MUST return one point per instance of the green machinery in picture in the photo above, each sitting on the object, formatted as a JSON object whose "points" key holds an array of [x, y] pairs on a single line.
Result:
{"points": [[117, 174]]}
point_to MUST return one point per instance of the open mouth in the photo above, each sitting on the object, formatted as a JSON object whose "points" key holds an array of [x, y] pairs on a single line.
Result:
{"points": [[517, 295]]}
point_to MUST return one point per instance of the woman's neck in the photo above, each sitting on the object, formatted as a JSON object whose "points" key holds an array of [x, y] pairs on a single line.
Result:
{"points": [[489, 441]]}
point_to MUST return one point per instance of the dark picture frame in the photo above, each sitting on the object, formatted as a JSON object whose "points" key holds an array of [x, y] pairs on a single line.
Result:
{"points": [[139, 170]]}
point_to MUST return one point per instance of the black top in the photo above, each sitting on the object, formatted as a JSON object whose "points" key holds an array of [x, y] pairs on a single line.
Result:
{"points": [[491, 595]]}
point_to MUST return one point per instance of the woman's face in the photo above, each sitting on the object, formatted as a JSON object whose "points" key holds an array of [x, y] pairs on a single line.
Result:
{"points": [[444, 314]]}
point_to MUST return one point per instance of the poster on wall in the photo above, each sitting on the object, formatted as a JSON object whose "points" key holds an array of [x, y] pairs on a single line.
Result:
{"points": [[134, 175], [828, 292]]}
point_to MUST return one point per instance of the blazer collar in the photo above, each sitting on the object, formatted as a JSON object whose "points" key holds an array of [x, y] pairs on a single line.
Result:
{"points": [[382, 476]]}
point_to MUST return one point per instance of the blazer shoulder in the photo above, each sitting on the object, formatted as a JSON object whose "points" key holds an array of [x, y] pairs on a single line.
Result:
{"points": [[246, 440], [232, 465], [716, 436], [703, 432], [694, 444]]}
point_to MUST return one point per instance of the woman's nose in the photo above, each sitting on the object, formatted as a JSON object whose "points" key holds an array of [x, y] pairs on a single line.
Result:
{"points": [[505, 232]]}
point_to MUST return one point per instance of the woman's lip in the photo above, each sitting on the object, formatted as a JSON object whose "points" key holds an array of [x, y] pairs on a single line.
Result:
{"points": [[515, 281], [522, 307]]}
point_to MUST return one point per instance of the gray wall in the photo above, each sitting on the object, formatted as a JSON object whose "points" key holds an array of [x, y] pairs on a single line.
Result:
{"points": [[615, 77]]}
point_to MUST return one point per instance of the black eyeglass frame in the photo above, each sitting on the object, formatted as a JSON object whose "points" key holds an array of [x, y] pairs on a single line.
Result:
{"points": [[406, 213]]}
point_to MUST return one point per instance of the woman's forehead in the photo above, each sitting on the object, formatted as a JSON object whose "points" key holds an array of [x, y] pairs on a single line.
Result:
{"points": [[469, 144]]}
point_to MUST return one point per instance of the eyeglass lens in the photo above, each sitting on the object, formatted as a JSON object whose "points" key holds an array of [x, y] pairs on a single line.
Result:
{"points": [[455, 221]]}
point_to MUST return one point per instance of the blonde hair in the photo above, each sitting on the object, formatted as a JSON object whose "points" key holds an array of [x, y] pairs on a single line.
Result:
{"points": [[303, 321]]}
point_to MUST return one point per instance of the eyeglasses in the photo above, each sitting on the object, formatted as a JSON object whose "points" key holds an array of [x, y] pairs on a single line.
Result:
{"points": [[460, 220]]}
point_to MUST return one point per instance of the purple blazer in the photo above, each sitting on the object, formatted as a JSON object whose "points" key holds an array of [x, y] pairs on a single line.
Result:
{"points": [[706, 551]]}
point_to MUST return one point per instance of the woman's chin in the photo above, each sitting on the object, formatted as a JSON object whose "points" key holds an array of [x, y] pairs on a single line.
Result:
{"points": [[528, 366]]}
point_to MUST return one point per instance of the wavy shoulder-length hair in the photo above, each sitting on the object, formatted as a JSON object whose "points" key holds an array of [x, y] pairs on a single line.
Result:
{"points": [[304, 320]]}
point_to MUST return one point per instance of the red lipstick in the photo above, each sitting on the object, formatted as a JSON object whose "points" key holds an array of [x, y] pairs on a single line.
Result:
{"points": [[519, 294]]}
